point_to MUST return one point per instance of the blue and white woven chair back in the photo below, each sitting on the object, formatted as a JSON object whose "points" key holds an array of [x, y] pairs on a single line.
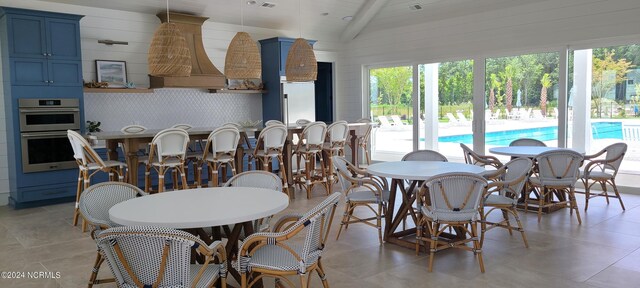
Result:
{"points": [[338, 131], [559, 167], [272, 122], [224, 140], [135, 254], [615, 153], [171, 142], [455, 196], [340, 164], [424, 155], [517, 169], [273, 136], [318, 221], [96, 201], [314, 133], [527, 142], [257, 179], [77, 145]]}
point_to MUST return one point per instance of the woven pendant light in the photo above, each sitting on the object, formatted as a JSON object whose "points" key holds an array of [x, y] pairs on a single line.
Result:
{"points": [[243, 57], [301, 62], [169, 54]]}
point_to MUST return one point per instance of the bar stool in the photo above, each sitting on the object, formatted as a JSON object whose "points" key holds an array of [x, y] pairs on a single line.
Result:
{"points": [[269, 146], [337, 132], [363, 133], [193, 156], [221, 152], [309, 148], [168, 151], [90, 163], [142, 157]]}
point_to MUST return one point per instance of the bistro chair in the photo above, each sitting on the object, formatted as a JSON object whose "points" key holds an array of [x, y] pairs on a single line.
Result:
{"points": [[603, 172], [473, 158], [221, 152], [270, 146], [147, 256], [90, 163], [257, 179], [194, 155], [503, 193], [420, 155], [450, 200], [557, 173], [361, 190], [168, 151], [94, 207], [273, 255], [527, 142], [337, 134], [309, 149], [272, 122], [363, 134]]}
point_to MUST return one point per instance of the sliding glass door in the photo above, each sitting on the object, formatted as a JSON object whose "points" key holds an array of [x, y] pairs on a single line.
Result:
{"points": [[391, 106]]}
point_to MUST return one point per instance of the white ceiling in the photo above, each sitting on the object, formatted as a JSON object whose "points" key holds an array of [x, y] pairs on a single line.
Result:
{"points": [[285, 15]]}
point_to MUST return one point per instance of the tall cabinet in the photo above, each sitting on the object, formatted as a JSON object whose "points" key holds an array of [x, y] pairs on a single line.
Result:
{"points": [[41, 59], [274, 53]]}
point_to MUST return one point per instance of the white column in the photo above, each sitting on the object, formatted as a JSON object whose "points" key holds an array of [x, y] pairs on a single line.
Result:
{"points": [[415, 101], [563, 71], [431, 106], [478, 125], [582, 65]]}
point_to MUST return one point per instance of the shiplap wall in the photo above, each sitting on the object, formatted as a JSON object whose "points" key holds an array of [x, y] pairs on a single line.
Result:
{"points": [[530, 28], [137, 29]]}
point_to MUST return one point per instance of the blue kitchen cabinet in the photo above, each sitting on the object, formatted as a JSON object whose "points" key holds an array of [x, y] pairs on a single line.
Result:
{"points": [[274, 53], [42, 59]]}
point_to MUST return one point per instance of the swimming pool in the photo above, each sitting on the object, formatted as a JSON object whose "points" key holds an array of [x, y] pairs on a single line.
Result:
{"points": [[599, 130]]}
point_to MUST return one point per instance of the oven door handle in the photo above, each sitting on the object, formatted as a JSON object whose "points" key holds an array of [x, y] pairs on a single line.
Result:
{"points": [[43, 134], [55, 110]]}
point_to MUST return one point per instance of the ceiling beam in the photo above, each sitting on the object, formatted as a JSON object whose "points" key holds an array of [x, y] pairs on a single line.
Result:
{"points": [[361, 19]]}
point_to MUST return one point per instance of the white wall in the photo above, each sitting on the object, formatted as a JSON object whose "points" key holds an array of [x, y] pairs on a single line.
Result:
{"points": [[137, 29], [536, 27]]}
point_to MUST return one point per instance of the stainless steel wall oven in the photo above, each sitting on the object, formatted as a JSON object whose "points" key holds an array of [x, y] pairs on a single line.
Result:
{"points": [[43, 133]]}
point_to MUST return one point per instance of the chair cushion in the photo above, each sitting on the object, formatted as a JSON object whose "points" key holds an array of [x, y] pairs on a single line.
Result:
{"points": [[362, 195], [495, 199], [274, 257], [210, 274], [462, 215], [595, 174]]}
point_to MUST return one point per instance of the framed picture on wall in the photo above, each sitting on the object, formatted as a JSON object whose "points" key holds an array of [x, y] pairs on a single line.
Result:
{"points": [[113, 72]]}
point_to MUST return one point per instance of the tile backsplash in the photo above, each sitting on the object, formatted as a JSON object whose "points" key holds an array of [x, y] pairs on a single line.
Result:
{"points": [[166, 107]]}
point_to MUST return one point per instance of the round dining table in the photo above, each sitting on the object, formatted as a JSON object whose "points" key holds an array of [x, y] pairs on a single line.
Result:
{"points": [[193, 209], [522, 151], [414, 171]]}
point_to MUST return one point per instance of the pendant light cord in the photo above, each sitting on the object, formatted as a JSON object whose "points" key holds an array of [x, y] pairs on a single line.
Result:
{"points": [[242, 15], [300, 17], [167, 11]]}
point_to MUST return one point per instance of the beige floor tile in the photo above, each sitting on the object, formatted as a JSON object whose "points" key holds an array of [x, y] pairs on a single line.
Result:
{"points": [[615, 277]]}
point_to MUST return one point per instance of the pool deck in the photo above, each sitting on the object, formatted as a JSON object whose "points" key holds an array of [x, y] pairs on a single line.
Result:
{"points": [[391, 143]]}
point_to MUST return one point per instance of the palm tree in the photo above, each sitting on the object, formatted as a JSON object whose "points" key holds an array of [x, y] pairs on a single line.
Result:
{"points": [[492, 96], [546, 84], [509, 73]]}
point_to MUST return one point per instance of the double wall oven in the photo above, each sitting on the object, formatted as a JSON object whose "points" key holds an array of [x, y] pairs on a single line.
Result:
{"points": [[43, 132]]}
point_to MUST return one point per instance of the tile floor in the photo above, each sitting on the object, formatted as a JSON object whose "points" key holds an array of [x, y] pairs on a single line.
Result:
{"points": [[603, 252]]}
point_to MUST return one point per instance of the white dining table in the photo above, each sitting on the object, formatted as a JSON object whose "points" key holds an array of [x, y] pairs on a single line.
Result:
{"points": [[522, 151], [201, 207], [414, 171], [192, 209]]}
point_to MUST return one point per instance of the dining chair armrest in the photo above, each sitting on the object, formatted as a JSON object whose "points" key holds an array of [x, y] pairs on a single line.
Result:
{"points": [[602, 163], [495, 175], [279, 226], [596, 155], [257, 240]]}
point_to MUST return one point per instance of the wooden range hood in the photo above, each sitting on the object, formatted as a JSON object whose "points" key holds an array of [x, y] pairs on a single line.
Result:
{"points": [[203, 73]]}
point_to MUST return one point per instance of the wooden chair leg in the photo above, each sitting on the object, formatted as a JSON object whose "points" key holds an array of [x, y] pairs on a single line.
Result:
{"points": [[285, 184], [214, 171], [183, 174], [477, 248], [76, 211], [161, 179], [324, 174], [574, 204], [615, 190], [520, 228], [433, 243]]}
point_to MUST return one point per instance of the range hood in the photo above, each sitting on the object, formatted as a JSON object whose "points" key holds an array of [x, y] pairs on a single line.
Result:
{"points": [[203, 73]]}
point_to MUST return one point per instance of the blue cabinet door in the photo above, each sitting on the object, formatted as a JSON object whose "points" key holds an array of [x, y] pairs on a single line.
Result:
{"points": [[62, 39], [29, 71], [65, 73], [26, 36]]}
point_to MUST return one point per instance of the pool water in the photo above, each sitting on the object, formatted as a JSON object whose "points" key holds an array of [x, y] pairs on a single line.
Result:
{"points": [[599, 130]]}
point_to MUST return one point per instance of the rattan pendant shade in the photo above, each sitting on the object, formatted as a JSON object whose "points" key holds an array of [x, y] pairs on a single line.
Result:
{"points": [[301, 62], [169, 54], [243, 58]]}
